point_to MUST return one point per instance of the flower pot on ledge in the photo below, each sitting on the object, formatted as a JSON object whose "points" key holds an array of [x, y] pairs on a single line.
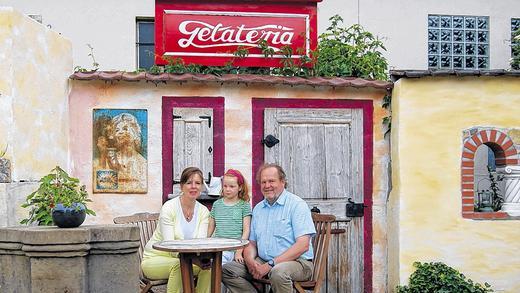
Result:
{"points": [[69, 217]]}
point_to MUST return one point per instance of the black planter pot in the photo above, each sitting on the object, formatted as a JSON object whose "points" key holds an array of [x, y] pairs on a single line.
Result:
{"points": [[68, 217]]}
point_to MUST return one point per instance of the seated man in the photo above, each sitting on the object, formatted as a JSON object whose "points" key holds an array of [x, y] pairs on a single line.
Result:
{"points": [[280, 241]]}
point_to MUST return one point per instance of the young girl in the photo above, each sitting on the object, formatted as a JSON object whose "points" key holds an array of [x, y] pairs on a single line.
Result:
{"points": [[230, 216]]}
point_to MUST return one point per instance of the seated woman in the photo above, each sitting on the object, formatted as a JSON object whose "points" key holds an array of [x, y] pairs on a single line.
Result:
{"points": [[181, 218]]}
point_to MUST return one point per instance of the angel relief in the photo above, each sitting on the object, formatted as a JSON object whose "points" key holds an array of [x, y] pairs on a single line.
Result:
{"points": [[120, 151]]}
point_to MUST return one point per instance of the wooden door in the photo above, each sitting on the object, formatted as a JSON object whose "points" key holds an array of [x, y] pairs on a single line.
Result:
{"points": [[321, 151], [192, 142]]}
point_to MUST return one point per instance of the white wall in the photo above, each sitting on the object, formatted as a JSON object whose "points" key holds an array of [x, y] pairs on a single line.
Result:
{"points": [[109, 26], [403, 25]]}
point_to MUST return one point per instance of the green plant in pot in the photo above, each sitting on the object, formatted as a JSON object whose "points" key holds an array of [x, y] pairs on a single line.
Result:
{"points": [[59, 200]]}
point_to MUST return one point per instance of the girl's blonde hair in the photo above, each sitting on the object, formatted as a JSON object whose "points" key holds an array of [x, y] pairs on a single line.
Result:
{"points": [[243, 193]]}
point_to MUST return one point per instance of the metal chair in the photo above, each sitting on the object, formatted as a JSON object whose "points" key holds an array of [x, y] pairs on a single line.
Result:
{"points": [[147, 223], [320, 243]]}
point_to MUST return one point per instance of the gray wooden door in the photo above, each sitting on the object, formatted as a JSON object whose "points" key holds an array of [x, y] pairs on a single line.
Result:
{"points": [[321, 151], [192, 142]]}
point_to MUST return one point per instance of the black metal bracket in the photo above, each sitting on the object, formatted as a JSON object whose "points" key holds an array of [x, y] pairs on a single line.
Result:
{"points": [[207, 117], [177, 117], [355, 209], [270, 141]]}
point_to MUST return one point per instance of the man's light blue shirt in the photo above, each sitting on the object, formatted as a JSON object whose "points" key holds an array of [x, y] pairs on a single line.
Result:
{"points": [[275, 227]]}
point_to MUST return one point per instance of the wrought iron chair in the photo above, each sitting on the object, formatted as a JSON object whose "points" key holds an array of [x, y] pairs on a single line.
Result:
{"points": [[147, 223], [320, 243]]}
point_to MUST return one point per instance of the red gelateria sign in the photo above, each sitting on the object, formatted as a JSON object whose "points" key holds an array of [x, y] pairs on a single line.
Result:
{"points": [[210, 34]]}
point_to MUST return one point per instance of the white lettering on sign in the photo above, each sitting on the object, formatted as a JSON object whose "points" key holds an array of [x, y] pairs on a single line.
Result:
{"points": [[199, 34]]}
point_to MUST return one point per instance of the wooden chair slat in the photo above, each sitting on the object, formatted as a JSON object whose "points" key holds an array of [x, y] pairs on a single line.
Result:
{"points": [[147, 222]]}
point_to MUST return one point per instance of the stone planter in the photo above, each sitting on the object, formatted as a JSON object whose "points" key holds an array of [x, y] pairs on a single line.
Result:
{"points": [[99, 258]]}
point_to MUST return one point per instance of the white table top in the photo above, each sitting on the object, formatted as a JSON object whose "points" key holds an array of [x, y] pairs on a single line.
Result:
{"points": [[200, 245]]}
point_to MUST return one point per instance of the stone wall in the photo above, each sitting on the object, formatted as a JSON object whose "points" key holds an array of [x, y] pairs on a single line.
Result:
{"points": [[80, 260]]}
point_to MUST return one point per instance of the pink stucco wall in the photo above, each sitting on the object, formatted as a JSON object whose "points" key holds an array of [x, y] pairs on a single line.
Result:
{"points": [[238, 113]]}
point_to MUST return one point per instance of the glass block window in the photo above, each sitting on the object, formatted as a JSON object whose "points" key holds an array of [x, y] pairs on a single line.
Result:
{"points": [[458, 42], [145, 45]]}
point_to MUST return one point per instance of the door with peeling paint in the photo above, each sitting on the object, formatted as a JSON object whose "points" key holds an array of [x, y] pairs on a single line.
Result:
{"points": [[321, 151]]}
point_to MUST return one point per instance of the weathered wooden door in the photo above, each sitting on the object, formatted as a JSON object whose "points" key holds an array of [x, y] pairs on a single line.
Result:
{"points": [[321, 151], [192, 142]]}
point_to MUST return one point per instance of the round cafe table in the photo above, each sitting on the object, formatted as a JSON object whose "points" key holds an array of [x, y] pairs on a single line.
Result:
{"points": [[200, 249]]}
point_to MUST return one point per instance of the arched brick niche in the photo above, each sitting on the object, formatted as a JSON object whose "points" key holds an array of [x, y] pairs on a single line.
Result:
{"points": [[505, 153]]}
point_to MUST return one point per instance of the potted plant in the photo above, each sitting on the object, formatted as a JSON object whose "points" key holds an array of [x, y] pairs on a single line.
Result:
{"points": [[59, 200]]}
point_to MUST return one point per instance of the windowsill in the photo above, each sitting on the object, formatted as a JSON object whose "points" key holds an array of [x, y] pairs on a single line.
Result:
{"points": [[489, 216]]}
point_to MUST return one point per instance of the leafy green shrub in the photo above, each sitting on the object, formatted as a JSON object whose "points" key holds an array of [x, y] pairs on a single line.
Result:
{"points": [[349, 52], [438, 277], [56, 187]]}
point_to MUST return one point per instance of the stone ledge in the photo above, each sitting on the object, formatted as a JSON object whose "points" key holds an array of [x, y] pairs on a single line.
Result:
{"points": [[101, 258]]}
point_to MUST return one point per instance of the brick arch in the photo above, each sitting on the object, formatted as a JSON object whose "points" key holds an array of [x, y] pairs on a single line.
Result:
{"points": [[505, 154]]}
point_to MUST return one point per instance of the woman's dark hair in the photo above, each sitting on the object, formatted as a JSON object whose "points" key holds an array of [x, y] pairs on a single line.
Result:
{"points": [[188, 172]]}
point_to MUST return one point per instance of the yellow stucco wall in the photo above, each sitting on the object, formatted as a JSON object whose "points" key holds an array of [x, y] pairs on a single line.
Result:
{"points": [[35, 63], [428, 117], [88, 95]]}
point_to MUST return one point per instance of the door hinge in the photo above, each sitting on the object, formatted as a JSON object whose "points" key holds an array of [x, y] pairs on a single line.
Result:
{"points": [[355, 209], [207, 117], [270, 141]]}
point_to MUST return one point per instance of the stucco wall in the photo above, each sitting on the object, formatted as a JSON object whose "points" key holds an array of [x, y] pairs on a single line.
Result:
{"points": [[429, 115], [35, 63], [87, 95]]}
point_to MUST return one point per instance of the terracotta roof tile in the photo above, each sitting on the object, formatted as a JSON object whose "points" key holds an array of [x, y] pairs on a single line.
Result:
{"points": [[397, 74], [229, 78]]}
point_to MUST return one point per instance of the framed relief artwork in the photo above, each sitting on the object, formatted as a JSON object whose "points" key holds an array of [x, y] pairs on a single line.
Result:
{"points": [[120, 151]]}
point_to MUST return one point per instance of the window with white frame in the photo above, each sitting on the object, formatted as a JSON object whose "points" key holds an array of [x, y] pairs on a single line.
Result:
{"points": [[458, 42], [145, 44]]}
